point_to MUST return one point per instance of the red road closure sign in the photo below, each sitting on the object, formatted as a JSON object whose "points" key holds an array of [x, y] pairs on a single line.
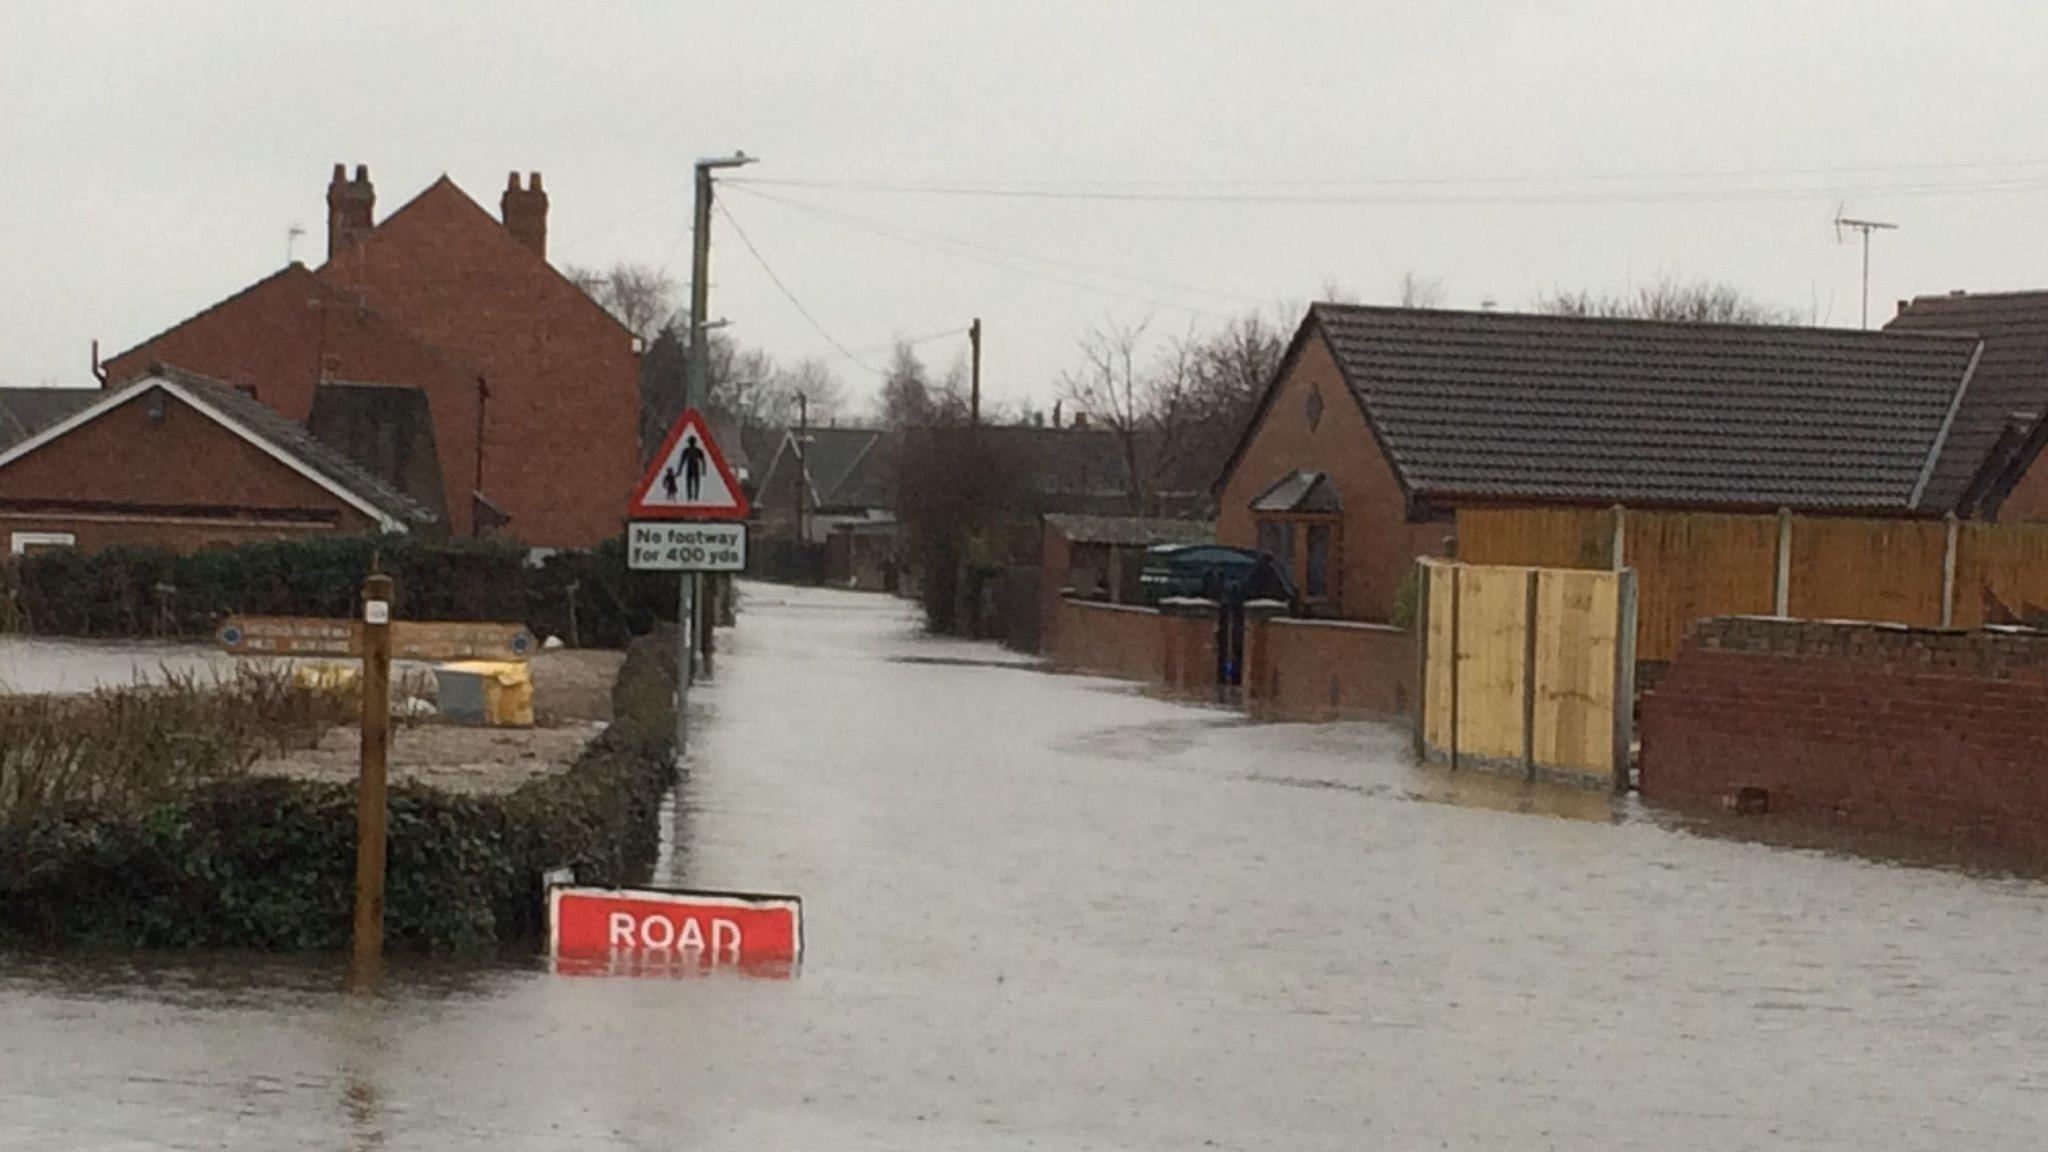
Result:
{"points": [[631, 929], [689, 479]]}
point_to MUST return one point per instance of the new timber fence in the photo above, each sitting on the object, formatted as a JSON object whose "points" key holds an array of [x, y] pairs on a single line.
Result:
{"points": [[1690, 565]]}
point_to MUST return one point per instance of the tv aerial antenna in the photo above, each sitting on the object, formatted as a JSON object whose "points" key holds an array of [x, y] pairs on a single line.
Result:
{"points": [[1843, 220]]}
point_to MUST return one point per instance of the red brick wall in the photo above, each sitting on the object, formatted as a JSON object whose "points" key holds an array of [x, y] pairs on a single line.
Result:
{"points": [[181, 484], [1378, 544], [1876, 726], [561, 441], [1328, 670], [2027, 503], [276, 335], [1107, 639]]}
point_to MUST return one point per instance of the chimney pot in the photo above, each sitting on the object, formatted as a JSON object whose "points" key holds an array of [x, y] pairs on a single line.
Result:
{"points": [[351, 204], [525, 213], [533, 181]]}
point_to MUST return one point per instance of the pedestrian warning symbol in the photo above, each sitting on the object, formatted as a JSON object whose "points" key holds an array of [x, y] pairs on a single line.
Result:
{"points": [[689, 479]]}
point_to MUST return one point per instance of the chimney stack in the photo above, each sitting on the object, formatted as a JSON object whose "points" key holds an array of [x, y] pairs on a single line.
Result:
{"points": [[349, 206], [525, 211]]}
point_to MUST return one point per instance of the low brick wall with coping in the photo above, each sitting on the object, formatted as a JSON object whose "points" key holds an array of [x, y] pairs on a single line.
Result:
{"points": [[1877, 726], [1328, 670]]}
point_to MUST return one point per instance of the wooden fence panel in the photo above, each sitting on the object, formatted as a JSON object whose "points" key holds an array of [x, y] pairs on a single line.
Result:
{"points": [[1577, 622], [1537, 537], [1491, 644], [1694, 564], [1887, 570], [1437, 705], [2001, 574]]}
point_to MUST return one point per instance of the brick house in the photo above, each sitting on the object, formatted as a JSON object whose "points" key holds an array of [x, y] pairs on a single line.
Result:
{"points": [[179, 461], [533, 388], [1382, 422], [1986, 467]]}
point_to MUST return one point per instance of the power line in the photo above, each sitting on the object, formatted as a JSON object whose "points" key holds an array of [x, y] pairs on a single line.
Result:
{"points": [[897, 231], [787, 294], [1152, 194], [952, 247]]}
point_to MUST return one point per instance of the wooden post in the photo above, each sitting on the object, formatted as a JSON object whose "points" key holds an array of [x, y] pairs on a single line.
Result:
{"points": [[370, 786], [1948, 573], [1529, 677], [1624, 675], [1782, 605], [1421, 626], [1457, 590]]}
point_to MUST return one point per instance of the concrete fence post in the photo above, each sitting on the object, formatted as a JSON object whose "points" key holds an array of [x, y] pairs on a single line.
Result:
{"points": [[1619, 544], [1624, 676], [1948, 572], [1781, 604], [1420, 625]]}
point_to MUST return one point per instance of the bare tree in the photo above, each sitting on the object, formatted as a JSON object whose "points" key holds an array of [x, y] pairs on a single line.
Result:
{"points": [[1147, 405], [642, 298], [1693, 301], [1421, 291]]}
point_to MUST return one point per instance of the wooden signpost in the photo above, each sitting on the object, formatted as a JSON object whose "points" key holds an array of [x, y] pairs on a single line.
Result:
{"points": [[376, 639]]}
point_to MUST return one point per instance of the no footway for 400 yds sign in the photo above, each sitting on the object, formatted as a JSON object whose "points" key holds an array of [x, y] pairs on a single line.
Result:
{"points": [[688, 513]]}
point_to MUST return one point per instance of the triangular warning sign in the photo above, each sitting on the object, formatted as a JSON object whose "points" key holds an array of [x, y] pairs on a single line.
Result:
{"points": [[689, 479]]}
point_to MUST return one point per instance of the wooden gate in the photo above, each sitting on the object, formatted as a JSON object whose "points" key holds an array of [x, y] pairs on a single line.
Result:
{"points": [[1529, 670]]}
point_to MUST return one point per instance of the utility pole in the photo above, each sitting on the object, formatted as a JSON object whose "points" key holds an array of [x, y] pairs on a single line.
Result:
{"points": [[1866, 227], [974, 340], [696, 384], [803, 468]]}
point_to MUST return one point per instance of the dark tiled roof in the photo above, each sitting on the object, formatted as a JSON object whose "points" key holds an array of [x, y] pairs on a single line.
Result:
{"points": [[2010, 388], [388, 429], [27, 411], [293, 440], [1525, 407], [848, 467], [1299, 491], [1131, 529]]}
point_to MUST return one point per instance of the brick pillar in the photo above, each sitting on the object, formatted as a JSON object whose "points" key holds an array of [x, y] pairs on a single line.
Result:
{"points": [[1260, 675], [1186, 623]]}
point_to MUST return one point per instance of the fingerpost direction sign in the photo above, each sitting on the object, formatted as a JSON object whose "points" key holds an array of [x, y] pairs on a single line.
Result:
{"points": [[689, 479]]}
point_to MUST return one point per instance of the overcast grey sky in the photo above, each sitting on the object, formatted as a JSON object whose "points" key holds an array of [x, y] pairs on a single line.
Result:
{"points": [[153, 154]]}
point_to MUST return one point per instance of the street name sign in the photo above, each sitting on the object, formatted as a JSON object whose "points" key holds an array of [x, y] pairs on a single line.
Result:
{"points": [[647, 929], [410, 639], [689, 479], [678, 546]]}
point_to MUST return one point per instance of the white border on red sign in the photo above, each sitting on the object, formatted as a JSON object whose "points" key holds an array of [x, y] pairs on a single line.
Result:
{"points": [[749, 900]]}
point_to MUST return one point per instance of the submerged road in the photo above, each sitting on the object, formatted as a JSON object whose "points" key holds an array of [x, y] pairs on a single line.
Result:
{"points": [[1049, 912]]}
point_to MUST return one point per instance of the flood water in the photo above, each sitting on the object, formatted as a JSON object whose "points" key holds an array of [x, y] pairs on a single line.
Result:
{"points": [[1048, 912]]}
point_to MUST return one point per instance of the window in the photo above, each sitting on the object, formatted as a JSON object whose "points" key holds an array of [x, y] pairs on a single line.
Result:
{"points": [[1276, 539], [30, 543], [1317, 582]]}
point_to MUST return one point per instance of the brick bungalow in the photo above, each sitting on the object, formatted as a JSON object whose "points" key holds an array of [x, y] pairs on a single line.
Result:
{"points": [[1382, 422], [177, 460], [532, 388]]}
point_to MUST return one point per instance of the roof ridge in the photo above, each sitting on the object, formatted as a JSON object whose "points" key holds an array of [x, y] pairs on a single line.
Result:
{"points": [[1506, 318]]}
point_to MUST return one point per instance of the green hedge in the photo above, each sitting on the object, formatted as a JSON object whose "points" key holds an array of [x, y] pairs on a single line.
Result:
{"points": [[588, 597], [267, 864]]}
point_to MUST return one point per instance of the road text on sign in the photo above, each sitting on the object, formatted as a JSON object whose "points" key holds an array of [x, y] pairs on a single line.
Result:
{"points": [[670, 546], [410, 639], [588, 927], [288, 636]]}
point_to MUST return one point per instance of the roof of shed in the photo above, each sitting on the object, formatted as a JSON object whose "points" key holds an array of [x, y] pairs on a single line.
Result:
{"points": [[1570, 409], [27, 411]]}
